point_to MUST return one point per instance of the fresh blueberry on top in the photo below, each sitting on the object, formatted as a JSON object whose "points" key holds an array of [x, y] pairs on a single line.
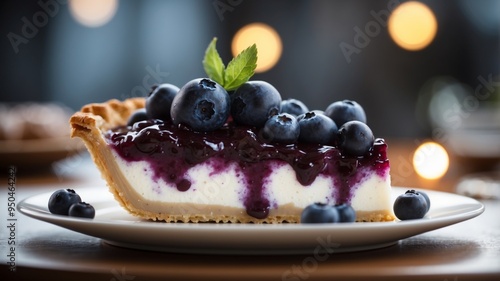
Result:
{"points": [[61, 200], [201, 104], [281, 128], [346, 212], [410, 205], [294, 107], [159, 101], [254, 102], [316, 128], [345, 111], [320, 213], [82, 210], [137, 116], [355, 138]]}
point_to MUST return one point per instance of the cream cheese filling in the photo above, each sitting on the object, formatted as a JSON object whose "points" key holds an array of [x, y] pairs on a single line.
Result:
{"points": [[227, 188]]}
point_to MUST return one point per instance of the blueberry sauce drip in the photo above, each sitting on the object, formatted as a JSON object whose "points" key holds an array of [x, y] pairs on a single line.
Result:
{"points": [[171, 150]]}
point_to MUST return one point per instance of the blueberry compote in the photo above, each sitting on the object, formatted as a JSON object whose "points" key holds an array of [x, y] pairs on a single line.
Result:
{"points": [[171, 150]]}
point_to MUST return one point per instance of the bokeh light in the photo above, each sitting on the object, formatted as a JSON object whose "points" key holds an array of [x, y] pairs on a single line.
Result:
{"points": [[93, 13], [268, 43], [431, 161], [412, 25]]}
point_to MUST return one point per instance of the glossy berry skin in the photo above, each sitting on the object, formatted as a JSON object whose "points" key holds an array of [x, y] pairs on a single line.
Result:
{"points": [[355, 138], [345, 111], [82, 210], [159, 101], [201, 104], [137, 116], [317, 128], [346, 213], [281, 128], [320, 213], [293, 107], [254, 102], [61, 200], [410, 205]]}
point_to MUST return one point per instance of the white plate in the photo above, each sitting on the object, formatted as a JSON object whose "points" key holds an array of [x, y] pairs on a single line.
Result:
{"points": [[115, 226]]}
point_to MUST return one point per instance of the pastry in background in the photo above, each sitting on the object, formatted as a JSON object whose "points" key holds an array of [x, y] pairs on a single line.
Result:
{"points": [[32, 120]]}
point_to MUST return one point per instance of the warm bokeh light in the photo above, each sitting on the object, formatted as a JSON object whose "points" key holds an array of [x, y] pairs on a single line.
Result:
{"points": [[93, 13], [268, 43], [431, 160], [412, 25]]}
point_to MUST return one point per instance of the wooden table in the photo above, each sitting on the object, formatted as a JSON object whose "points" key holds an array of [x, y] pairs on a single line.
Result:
{"points": [[466, 251]]}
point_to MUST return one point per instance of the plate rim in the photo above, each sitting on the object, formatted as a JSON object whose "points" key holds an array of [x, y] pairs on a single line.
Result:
{"points": [[472, 209]]}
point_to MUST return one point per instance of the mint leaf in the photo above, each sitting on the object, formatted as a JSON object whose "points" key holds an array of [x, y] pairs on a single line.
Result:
{"points": [[240, 68], [212, 63]]}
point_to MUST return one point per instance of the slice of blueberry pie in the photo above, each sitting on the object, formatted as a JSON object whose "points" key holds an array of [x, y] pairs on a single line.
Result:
{"points": [[225, 150]]}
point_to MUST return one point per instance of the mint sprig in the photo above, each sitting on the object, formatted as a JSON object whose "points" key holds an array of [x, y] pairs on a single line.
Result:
{"points": [[239, 70], [212, 63]]}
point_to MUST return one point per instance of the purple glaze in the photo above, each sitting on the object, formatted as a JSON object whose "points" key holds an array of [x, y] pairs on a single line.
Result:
{"points": [[171, 150]]}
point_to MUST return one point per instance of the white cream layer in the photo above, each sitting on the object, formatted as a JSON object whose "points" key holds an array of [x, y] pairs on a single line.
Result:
{"points": [[227, 188]]}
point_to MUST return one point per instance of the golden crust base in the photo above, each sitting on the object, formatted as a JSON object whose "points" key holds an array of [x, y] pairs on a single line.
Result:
{"points": [[93, 120]]}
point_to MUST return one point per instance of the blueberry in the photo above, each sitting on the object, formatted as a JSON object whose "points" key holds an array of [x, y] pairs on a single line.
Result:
{"points": [[254, 102], [294, 107], [345, 111], [410, 205], [316, 128], [281, 128], [346, 212], [320, 213], [201, 104], [61, 200], [355, 138], [159, 101], [82, 210], [137, 116]]}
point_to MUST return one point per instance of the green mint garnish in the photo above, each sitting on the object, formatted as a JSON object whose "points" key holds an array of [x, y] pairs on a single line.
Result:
{"points": [[212, 63], [238, 71], [240, 68]]}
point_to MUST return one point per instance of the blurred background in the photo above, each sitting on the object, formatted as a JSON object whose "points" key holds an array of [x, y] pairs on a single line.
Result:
{"points": [[423, 70], [85, 51]]}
